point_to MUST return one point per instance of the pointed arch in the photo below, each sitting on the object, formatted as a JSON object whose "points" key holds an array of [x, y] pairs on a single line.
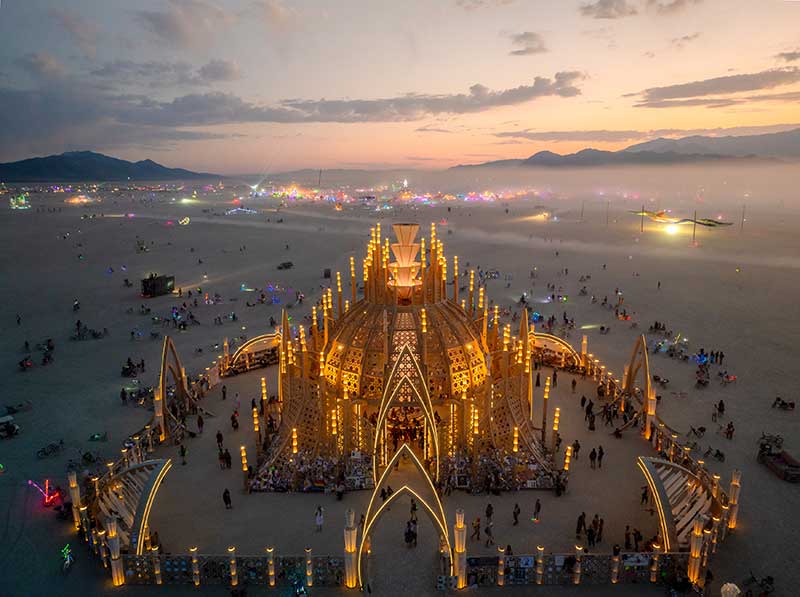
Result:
{"points": [[255, 347], [554, 343], [435, 511], [170, 366], [391, 393], [638, 362]]}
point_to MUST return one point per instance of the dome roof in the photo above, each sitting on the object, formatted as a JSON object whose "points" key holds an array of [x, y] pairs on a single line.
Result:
{"points": [[454, 357]]}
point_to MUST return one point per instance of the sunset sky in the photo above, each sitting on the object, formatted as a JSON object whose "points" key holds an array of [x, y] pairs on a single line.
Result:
{"points": [[249, 86]]}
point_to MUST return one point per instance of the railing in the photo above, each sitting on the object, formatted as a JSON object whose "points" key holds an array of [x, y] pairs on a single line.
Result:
{"points": [[216, 570], [559, 569]]}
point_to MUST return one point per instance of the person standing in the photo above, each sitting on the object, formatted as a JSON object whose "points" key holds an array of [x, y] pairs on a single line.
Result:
{"points": [[600, 454], [224, 392], [576, 447], [183, 454], [627, 538], [537, 508], [645, 496], [574, 384], [476, 529], [200, 423], [319, 518], [599, 536], [515, 514], [489, 512], [555, 378], [226, 498], [219, 439], [592, 458], [228, 459]]}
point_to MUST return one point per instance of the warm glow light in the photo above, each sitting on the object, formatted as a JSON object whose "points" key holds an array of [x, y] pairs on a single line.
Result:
{"points": [[671, 229]]}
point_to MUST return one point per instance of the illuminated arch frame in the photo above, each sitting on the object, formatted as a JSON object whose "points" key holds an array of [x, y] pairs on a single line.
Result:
{"points": [[639, 361], [176, 369], [372, 517], [271, 340], [534, 336], [423, 399], [143, 516]]}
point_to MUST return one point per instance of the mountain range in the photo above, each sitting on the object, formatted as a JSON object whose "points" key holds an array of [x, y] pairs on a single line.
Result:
{"points": [[75, 166], [686, 150]]}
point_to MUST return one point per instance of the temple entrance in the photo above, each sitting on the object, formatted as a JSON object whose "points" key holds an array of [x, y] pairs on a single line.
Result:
{"points": [[395, 561], [406, 424]]}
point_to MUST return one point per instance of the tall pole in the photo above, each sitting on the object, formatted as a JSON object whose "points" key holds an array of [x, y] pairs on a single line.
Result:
{"points": [[583, 203], [741, 228], [694, 228], [642, 224], [608, 206]]}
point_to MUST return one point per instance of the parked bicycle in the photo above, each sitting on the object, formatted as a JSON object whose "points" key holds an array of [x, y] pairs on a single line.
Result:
{"points": [[51, 449]]}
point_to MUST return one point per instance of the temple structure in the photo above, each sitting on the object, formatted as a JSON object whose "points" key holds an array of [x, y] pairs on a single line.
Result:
{"points": [[413, 354]]}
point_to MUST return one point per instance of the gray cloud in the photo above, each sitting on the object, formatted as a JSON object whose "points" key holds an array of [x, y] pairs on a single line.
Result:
{"points": [[789, 56], [185, 23], [156, 73], [767, 79], [680, 42], [59, 113], [433, 129], [792, 96], [618, 136], [276, 14], [219, 70], [527, 43], [83, 33], [669, 7], [41, 65], [476, 4], [608, 9]]}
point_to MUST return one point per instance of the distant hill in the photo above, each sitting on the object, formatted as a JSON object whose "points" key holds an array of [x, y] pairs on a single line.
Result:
{"points": [[77, 166], [771, 145], [587, 158]]}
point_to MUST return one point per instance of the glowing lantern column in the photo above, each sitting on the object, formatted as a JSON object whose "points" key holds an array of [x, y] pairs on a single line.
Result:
{"points": [[733, 499], [75, 496], [350, 532], [650, 414], [460, 560], [117, 573]]}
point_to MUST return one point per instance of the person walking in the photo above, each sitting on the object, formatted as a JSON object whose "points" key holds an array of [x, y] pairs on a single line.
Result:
{"points": [[576, 447], [224, 392], [592, 458], [476, 529], [555, 378], [627, 538], [580, 526], [219, 439], [645, 496], [183, 454], [413, 509], [600, 454], [319, 518], [226, 498], [228, 459], [221, 459], [489, 535], [537, 508], [574, 384], [515, 514], [590, 536], [489, 512], [200, 423], [599, 537]]}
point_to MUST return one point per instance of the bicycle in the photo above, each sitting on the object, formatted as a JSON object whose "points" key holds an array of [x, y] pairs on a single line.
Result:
{"points": [[50, 449], [765, 584], [775, 440]]}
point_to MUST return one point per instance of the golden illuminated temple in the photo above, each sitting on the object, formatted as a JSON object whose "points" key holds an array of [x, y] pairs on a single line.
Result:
{"points": [[413, 346]]}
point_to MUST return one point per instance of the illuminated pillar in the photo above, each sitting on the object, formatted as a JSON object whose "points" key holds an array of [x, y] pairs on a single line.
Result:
{"points": [[695, 545], [339, 298], [654, 566], [501, 567], [723, 527], [545, 398], [271, 565], [75, 496], [556, 420], [567, 458], [244, 467], [460, 560], [650, 414], [584, 350], [264, 399], [117, 573], [615, 567], [576, 571], [156, 564], [232, 563], [257, 431], [471, 292], [195, 567], [733, 498], [515, 445], [158, 411], [294, 440], [539, 564], [350, 566], [455, 279], [309, 568], [715, 486], [353, 293]]}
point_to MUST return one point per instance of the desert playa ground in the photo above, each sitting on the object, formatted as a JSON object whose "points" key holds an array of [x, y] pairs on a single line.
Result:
{"points": [[736, 291]]}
